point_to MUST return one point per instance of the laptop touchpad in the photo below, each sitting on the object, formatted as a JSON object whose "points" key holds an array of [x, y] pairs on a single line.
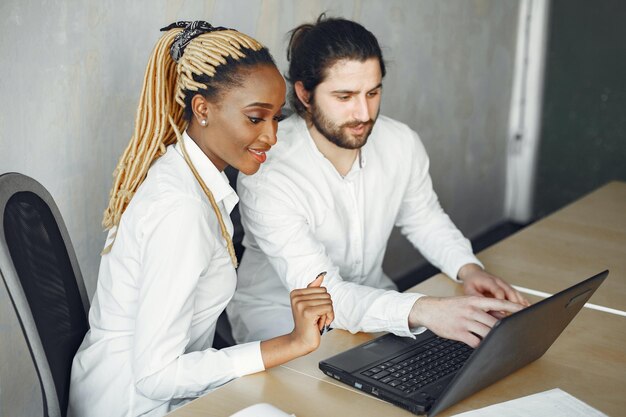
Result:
{"points": [[371, 352]]}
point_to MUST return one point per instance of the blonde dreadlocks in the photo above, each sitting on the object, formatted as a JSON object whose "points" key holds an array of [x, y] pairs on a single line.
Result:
{"points": [[196, 53]]}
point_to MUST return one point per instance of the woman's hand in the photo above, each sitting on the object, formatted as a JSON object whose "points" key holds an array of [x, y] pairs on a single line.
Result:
{"points": [[312, 309]]}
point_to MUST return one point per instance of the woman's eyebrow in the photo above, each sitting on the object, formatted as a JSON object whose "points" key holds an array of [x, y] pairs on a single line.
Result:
{"points": [[260, 104]]}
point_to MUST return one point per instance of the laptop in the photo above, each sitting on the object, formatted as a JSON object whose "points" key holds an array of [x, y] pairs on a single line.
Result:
{"points": [[429, 374]]}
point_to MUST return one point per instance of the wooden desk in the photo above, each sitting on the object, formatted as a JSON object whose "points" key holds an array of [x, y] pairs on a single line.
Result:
{"points": [[588, 360], [572, 244], [292, 392]]}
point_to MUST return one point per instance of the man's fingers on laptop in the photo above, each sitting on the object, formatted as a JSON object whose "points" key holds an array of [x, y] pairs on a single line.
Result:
{"points": [[498, 314], [473, 333], [478, 328], [492, 290], [493, 304], [456, 317], [512, 294], [484, 318], [496, 290], [480, 282], [477, 281], [509, 292], [469, 339], [520, 298]]}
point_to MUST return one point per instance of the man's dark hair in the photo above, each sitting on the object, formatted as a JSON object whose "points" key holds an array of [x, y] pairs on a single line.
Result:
{"points": [[314, 48]]}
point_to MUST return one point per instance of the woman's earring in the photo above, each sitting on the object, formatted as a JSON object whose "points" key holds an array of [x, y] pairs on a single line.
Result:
{"points": [[203, 122]]}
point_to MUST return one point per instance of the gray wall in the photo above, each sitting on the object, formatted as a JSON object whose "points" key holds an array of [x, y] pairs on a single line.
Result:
{"points": [[72, 72], [71, 75], [450, 78]]}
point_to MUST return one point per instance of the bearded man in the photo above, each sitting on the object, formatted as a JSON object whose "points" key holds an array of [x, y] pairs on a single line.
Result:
{"points": [[329, 195]]}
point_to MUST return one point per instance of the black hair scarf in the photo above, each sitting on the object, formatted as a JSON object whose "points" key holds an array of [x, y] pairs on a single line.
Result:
{"points": [[190, 31]]}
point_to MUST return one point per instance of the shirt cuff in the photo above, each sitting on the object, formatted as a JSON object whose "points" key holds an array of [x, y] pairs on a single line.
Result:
{"points": [[452, 270], [400, 315], [247, 358]]}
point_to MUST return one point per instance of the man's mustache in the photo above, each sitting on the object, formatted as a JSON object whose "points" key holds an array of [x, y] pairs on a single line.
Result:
{"points": [[358, 123]]}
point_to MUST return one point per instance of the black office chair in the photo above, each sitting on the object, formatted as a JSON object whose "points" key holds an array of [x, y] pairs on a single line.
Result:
{"points": [[39, 269]]}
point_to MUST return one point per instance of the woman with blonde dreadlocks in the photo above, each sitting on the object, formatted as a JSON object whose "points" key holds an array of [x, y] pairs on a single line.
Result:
{"points": [[211, 98]]}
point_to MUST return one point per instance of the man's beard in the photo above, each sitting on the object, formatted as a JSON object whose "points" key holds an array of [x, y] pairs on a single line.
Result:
{"points": [[337, 134]]}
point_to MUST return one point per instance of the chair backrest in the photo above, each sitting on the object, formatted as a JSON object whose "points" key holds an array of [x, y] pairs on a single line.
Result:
{"points": [[39, 269]]}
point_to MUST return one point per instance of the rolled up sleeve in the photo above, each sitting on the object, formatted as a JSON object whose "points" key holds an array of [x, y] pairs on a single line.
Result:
{"points": [[422, 220], [282, 232]]}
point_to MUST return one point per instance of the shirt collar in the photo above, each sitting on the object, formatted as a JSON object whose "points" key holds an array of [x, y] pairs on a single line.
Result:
{"points": [[214, 179], [360, 161]]}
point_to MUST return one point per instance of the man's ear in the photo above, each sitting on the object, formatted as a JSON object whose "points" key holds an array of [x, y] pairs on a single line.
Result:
{"points": [[302, 94]]}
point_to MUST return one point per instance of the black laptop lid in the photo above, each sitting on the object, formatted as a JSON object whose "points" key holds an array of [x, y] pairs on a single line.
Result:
{"points": [[516, 341]]}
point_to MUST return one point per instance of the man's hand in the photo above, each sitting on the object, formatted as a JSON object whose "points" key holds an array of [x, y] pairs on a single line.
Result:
{"points": [[476, 281], [467, 318]]}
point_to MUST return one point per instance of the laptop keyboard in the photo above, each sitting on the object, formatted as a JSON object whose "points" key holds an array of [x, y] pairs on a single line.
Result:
{"points": [[412, 371]]}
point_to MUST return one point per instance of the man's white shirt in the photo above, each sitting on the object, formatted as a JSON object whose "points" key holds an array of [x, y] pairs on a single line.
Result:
{"points": [[301, 218]]}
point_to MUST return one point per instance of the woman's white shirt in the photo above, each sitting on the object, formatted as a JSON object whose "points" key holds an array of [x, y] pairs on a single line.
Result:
{"points": [[160, 291]]}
